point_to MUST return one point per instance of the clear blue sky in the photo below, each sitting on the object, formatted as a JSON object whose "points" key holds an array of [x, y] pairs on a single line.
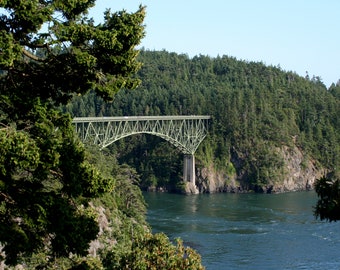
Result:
{"points": [[298, 35]]}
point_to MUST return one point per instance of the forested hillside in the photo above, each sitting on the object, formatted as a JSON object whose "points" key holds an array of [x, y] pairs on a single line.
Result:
{"points": [[262, 116]]}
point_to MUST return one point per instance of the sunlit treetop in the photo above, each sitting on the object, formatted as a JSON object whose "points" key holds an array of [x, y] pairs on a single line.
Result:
{"points": [[53, 49]]}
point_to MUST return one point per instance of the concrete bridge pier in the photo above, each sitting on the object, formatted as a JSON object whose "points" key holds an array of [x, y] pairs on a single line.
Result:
{"points": [[189, 169]]}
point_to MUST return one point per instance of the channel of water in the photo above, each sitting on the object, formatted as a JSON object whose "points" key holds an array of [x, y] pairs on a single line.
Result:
{"points": [[249, 231]]}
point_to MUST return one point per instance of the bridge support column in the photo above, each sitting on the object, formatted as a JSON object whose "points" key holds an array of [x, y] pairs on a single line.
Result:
{"points": [[189, 169]]}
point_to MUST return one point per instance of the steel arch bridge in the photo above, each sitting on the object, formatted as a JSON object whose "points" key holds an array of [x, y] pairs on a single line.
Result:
{"points": [[184, 132]]}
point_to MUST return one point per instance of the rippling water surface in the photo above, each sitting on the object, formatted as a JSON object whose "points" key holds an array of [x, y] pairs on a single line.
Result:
{"points": [[249, 231]]}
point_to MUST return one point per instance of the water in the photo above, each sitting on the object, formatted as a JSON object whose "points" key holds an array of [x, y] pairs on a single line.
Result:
{"points": [[248, 231]]}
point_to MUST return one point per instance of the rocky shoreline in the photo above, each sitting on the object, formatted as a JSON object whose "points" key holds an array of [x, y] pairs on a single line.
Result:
{"points": [[300, 174]]}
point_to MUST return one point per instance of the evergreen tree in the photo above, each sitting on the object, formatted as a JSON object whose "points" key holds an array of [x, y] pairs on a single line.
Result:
{"points": [[255, 109], [328, 204], [46, 182]]}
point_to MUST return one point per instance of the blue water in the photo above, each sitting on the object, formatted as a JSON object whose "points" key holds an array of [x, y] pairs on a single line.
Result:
{"points": [[248, 231]]}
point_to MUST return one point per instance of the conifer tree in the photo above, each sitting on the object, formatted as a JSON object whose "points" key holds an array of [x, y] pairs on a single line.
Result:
{"points": [[49, 52]]}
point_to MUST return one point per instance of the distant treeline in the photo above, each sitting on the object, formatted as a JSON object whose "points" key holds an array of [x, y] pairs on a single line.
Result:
{"points": [[255, 109]]}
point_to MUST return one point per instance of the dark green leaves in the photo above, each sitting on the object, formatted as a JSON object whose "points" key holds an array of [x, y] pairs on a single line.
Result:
{"points": [[9, 50], [18, 152], [74, 56], [328, 205], [43, 178], [71, 9], [46, 183]]}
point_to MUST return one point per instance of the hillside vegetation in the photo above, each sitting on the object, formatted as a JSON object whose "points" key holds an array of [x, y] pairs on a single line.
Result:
{"points": [[64, 206], [259, 113]]}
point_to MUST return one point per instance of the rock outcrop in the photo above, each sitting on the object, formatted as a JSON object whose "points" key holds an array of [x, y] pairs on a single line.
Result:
{"points": [[299, 173], [209, 180]]}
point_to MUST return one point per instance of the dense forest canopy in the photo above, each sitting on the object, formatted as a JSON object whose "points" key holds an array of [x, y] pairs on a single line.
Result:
{"points": [[255, 109]]}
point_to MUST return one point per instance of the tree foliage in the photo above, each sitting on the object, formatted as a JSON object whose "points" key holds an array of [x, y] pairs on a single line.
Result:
{"points": [[256, 110], [126, 241], [157, 252], [86, 56], [44, 177], [49, 52], [328, 204]]}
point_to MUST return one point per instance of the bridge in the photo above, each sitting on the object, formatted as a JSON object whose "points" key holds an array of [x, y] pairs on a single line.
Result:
{"points": [[184, 132]]}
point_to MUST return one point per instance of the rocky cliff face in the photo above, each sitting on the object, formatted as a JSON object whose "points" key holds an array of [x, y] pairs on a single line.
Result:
{"points": [[299, 173], [209, 180]]}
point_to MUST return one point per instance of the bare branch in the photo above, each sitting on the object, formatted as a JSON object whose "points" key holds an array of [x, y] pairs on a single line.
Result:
{"points": [[31, 56]]}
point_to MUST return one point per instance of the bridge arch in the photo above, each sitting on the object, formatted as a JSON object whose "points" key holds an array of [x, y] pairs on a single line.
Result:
{"points": [[171, 140], [184, 132]]}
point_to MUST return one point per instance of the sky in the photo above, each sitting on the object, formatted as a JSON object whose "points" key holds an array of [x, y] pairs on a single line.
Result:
{"points": [[302, 36]]}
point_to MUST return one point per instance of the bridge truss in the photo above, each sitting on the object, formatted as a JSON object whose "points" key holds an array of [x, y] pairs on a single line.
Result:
{"points": [[184, 132]]}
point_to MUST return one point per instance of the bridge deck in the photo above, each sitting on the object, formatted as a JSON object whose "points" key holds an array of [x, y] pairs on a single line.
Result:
{"points": [[138, 118]]}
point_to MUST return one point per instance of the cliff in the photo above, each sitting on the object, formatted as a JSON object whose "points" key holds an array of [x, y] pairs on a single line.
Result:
{"points": [[299, 173]]}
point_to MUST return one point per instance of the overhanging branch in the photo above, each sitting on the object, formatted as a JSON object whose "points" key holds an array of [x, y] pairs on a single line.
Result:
{"points": [[31, 55]]}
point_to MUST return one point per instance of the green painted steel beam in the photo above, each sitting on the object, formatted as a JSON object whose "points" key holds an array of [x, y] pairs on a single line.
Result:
{"points": [[186, 132]]}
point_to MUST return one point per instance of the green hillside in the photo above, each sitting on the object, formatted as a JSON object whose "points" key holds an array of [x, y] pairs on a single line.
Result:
{"points": [[256, 109]]}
